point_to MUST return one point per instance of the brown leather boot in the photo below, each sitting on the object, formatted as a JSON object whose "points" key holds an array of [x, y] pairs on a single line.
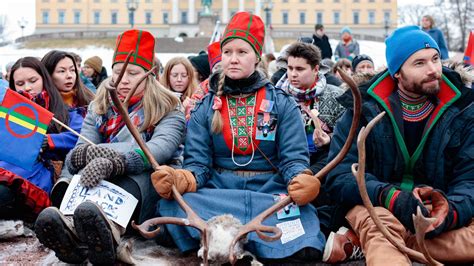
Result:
{"points": [[101, 235], [56, 232]]}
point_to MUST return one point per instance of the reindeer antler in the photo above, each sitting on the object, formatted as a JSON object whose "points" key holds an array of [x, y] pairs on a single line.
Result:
{"points": [[192, 218], [421, 224], [358, 170], [256, 223], [124, 113]]}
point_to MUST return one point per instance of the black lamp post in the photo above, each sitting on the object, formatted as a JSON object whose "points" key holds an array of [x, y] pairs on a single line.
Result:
{"points": [[22, 23], [132, 6], [267, 7], [386, 26]]}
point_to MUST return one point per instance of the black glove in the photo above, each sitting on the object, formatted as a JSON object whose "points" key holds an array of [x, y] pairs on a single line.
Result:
{"points": [[102, 168], [402, 204], [45, 144]]}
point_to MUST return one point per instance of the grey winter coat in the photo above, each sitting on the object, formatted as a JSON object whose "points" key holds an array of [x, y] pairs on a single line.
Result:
{"points": [[163, 144]]}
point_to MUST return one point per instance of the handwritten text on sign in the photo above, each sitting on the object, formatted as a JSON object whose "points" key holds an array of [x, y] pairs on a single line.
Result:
{"points": [[116, 203]]}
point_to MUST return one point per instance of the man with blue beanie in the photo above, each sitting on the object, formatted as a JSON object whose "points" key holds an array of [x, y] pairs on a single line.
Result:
{"points": [[420, 155]]}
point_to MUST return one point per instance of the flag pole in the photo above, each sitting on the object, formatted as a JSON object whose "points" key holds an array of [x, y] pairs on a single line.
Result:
{"points": [[73, 131]]}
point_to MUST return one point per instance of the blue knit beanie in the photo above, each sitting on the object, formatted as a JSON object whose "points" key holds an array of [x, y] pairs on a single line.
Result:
{"points": [[346, 29], [404, 42]]}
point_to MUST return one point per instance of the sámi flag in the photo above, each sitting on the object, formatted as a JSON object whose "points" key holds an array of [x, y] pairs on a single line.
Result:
{"points": [[469, 53], [23, 126]]}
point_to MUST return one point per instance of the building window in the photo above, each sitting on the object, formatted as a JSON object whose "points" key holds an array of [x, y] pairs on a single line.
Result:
{"points": [[371, 1], [77, 17], [165, 18], [45, 17], [371, 17], [302, 1], [285, 1], [96, 17], [96, 1], [285, 17], [148, 1], [148, 17], [113, 17], [355, 17], [356, 1], [184, 17], [61, 17], [386, 16], [387, 1], [302, 18], [77, 1], [319, 17], [113, 1], [319, 1], [60, 1], [335, 1], [337, 17]]}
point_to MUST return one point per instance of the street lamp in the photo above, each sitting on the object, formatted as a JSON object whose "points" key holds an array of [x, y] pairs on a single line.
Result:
{"points": [[386, 26], [22, 23], [132, 6], [267, 7]]}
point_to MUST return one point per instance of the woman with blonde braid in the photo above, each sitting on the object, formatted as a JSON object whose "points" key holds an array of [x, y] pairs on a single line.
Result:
{"points": [[245, 148]]}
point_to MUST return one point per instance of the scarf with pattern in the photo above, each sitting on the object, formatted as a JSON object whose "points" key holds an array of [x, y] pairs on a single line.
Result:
{"points": [[303, 94], [113, 121]]}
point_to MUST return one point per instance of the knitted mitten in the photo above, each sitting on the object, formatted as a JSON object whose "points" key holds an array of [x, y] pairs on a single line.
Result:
{"points": [[102, 168], [100, 152], [78, 158]]}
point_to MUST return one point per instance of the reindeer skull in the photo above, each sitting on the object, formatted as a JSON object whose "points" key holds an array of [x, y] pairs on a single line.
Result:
{"points": [[222, 230]]}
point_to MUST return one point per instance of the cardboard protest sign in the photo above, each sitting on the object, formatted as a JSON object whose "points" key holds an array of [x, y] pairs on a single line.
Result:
{"points": [[116, 203]]}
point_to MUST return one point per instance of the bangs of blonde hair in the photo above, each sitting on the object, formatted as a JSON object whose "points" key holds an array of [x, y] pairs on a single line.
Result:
{"points": [[165, 78], [157, 102]]}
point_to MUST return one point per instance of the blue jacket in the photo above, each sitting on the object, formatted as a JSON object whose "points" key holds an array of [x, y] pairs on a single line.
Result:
{"points": [[444, 159], [3, 87], [42, 171], [438, 36], [88, 83], [222, 190]]}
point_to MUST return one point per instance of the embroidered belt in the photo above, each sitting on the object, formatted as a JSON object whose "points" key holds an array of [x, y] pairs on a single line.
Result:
{"points": [[244, 173]]}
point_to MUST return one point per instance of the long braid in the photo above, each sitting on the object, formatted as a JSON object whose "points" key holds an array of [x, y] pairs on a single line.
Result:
{"points": [[217, 123]]}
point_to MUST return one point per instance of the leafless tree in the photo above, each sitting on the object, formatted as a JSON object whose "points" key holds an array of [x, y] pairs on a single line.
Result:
{"points": [[411, 14], [3, 22], [463, 16]]}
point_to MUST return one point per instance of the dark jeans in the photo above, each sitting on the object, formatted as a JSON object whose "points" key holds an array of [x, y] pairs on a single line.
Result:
{"points": [[7, 203]]}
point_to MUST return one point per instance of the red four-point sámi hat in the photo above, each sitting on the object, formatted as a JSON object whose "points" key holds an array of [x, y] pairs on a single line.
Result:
{"points": [[139, 41], [247, 27], [214, 54]]}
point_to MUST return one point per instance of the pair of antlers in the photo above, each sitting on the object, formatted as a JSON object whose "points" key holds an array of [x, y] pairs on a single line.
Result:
{"points": [[256, 224]]}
